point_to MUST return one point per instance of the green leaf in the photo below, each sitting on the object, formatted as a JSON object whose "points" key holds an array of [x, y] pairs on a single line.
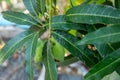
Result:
{"points": [[40, 4], [59, 23], [92, 14], [109, 34], [50, 66], [14, 44], [104, 67], [19, 18], [30, 51], [67, 41], [31, 6], [104, 49], [35, 6]]}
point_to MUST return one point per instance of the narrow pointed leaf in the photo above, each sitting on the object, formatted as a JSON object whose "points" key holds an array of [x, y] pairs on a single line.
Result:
{"points": [[92, 14], [30, 51], [50, 66], [59, 23], [31, 6], [107, 48], [104, 49], [40, 4], [109, 34], [68, 41], [104, 67], [19, 18], [13, 45]]}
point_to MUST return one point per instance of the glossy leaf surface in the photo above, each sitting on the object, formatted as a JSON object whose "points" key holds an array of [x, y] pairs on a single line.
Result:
{"points": [[68, 41], [104, 67], [14, 44], [50, 66], [40, 5], [92, 14], [30, 51], [59, 23], [104, 49], [19, 18], [31, 6], [109, 34]]}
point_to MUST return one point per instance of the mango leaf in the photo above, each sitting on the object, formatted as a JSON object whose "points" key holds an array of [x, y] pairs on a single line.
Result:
{"points": [[104, 67], [50, 66], [107, 48], [116, 46], [59, 23], [31, 6], [67, 41], [19, 18], [40, 4], [14, 44], [35, 6], [92, 14], [104, 49], [30, 51], [109, 34]]}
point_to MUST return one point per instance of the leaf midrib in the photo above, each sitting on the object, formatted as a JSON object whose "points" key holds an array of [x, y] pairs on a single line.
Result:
{"points": [[49, 70], [20, 18], [76, 48], [94, 15], [108, 35], [33, 8], [102, 68], [31, 54], [14, 45]]}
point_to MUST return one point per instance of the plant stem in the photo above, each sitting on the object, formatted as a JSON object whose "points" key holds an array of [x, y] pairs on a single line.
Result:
{"points": [[50, 16]]}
